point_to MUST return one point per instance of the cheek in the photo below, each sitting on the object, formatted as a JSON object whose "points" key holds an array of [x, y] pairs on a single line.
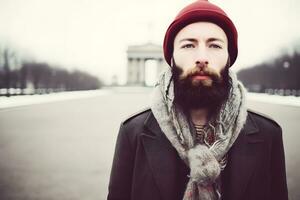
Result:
{"points": [[183, 61], [219, 61]]}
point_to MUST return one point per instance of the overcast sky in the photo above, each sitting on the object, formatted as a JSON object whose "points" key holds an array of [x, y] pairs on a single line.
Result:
{"points": [[93, 35]]}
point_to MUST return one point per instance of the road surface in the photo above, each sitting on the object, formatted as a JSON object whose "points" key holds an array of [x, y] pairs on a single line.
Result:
{"points": [[63, 150]]}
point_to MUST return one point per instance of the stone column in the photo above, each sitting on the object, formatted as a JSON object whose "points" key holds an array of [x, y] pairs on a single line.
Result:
{"points": [[133, 71], [141, 80], [136, 71], [129, 71]]}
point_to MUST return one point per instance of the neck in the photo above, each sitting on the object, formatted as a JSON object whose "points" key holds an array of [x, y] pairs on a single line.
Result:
{"points": [[199, 116]]}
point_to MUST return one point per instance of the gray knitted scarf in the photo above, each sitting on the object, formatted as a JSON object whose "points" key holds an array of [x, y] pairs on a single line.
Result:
{"points": [[203, 160]]}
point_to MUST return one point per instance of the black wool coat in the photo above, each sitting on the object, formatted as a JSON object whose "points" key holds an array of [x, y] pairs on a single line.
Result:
{"points": [[147, 167]]}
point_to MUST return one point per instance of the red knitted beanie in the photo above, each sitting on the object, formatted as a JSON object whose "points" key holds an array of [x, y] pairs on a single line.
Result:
{"points": [[201, 10]]}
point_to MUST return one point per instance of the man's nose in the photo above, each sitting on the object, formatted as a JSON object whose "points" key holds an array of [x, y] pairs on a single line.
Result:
{"points": [[201, 64], [201, 58]]}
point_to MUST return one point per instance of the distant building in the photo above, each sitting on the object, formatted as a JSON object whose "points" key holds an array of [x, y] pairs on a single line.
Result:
{"points": [[137, 55]]}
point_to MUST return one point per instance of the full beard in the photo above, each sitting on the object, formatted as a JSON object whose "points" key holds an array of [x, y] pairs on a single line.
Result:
{"points": [[191, 93]]}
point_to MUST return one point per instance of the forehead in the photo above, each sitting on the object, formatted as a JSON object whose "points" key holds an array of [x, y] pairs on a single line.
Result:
{"points": [[201, 30]]}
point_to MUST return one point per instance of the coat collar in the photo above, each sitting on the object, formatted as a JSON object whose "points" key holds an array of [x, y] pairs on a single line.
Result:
{"points": [[250, 126], [163, 158], [151, 124]]}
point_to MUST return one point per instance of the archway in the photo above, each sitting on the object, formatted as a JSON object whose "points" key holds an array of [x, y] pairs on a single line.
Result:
{"points": [[137, 57]]}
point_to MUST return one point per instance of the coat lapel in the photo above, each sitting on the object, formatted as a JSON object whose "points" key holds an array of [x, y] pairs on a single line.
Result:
{"points": [[162, 157], [242, 161]]}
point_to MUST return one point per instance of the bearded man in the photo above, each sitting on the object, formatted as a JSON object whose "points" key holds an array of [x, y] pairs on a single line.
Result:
{"points": [[198, 141]]}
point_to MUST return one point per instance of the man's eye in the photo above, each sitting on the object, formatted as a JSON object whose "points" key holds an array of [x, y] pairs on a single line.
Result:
{"points": [[187, 46], [215, 46]]}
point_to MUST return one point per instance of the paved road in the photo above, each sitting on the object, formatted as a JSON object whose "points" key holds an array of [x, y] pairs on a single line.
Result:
{"points": [[63, 150]]}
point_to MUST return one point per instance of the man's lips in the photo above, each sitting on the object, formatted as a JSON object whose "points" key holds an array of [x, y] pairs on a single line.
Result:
{"points": [[201, 77]]}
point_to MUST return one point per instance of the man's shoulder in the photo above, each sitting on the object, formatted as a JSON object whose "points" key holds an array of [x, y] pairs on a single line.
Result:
{"points": [[137, 117], [263, 119]]}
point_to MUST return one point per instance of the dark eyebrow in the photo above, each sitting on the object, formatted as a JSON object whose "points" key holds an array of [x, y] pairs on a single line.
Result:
{"points": [[188, 39], [194, 40], [215, 39]]}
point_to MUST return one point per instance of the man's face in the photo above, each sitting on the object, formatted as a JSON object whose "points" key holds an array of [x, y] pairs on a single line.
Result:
{"points": [[200, 45], [200, 57]]}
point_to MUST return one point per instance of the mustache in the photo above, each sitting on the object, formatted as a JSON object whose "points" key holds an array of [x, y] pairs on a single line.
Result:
{"points": [[205, 71]]}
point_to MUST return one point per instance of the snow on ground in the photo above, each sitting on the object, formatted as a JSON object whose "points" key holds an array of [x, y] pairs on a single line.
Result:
{"points": [[274, 99], [15, 101]]}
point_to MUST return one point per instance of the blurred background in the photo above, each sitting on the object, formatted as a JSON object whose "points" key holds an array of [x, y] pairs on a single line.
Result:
{"points": [[72, 70]]}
